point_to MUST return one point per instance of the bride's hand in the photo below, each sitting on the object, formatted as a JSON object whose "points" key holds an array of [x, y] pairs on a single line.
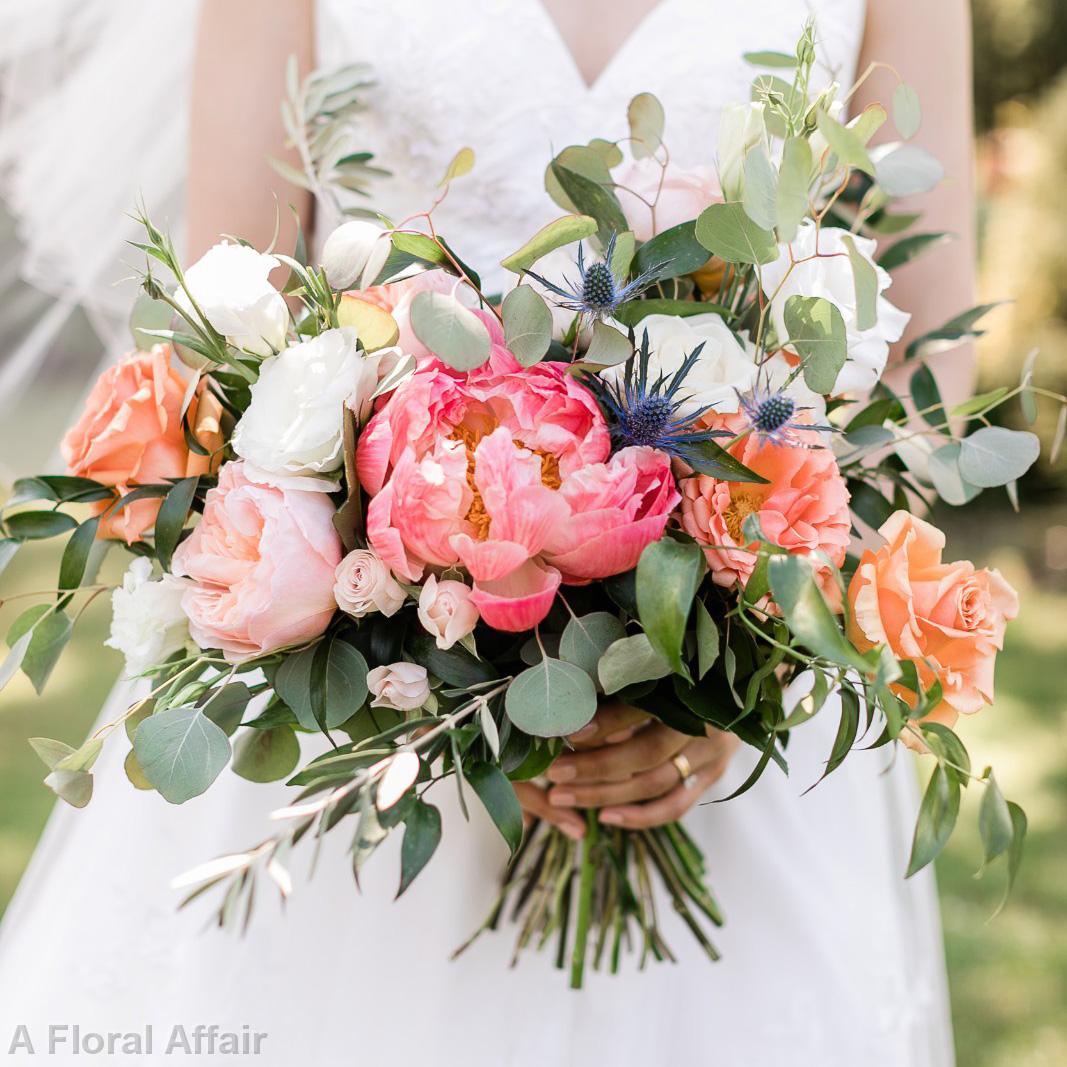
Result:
{"points": [[631, 767]]}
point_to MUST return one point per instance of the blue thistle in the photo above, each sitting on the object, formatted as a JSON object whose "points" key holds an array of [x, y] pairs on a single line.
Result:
{"points": [[772, 415], [598, 292], [643, 412]]}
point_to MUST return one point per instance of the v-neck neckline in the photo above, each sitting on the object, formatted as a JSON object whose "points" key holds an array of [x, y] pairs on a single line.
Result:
{"points": [[624, 44]]}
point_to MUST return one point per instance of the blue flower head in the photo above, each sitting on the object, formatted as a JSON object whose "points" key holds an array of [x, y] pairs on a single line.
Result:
{"points": [[772, 414], [597, 292]]}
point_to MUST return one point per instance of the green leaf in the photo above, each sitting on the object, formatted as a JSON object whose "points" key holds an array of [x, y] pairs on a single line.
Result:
{"points": [[462, 164], [937, 816], [622, 255], [181, 752], [628, 661], [608, 346], [527, 324], [926, 396], [794, 186], [38, 525], [593, 199], [646, 119], [909, 248], [422, 835], [783, 60], [266, 755], [76, 554], [451, 331], [498, 795], [586, 638], [706, 457], [75, 787], [817, 332], [337, 682], [994, 820], [728, 232], [908, 170], [455, 665], [944, 468], [556, 234], [48, 632], [8, 548], [672, 253], [869, 504], [1026, 396], [760, 195], [707, 639], [13, 660], [633, 311], [668, 575], [171, 519], [1015, 854], [994, 455], [846, 144], [907, 112], [960, 328], [980, 402], [551, 699], [51, 752], [865, 277], [148, 314], [225, 707]]}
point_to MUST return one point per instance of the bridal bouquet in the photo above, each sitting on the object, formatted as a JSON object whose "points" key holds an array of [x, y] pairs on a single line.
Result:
{"points": [[433, 526]]}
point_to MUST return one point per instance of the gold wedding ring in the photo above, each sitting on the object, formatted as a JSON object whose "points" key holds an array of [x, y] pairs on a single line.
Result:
{"points": [[684, 769]]}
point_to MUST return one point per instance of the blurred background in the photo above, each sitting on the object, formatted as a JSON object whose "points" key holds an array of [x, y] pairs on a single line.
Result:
{"points": [[1008, 975]]}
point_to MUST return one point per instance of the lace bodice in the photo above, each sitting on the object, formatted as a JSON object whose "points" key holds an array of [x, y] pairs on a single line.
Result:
{"points": [[496, 75]]}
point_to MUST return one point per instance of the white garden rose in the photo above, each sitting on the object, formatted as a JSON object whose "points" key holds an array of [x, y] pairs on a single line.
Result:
{"points": [[722, 367], [741, 128], [354, 254], [291, 432], [147, 621], [400, 686], [829, 275], [231, 287], [365, 585]]}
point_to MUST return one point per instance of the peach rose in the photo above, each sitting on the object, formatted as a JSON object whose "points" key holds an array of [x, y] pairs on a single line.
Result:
{"points": [[946, 618], [803, 508], [261, 563], [130, 433]]}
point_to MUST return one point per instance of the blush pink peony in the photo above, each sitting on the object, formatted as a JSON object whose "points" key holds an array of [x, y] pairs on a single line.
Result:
{"points": [[803, 508], [947, 618], [507, 472], [260, 565]]}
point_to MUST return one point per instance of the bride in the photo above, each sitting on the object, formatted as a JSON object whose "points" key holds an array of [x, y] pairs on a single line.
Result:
{"points": [[829, 957]]}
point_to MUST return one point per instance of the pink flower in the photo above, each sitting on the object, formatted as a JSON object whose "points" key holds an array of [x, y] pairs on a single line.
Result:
{"points": [[446, 611], [400, 686], [508, 472], [947, 618], [803, 508], [261, 563], [364, 585], [680, 194]]}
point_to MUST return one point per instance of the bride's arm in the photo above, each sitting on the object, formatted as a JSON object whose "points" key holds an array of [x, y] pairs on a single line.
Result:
{"points": [[928, 42], [234, 125]]}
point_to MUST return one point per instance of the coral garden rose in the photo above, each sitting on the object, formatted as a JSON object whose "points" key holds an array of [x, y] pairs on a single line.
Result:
{"points": [[946, 618], [260, 565], [508, 472], [802, 508], [679, 194], [130, 433]]}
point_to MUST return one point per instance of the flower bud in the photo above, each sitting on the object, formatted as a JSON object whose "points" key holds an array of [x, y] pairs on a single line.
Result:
{"points": [[354, 254]]}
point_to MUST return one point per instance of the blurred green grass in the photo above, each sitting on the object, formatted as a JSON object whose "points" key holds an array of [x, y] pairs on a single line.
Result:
{"points": [[1008, 975]]}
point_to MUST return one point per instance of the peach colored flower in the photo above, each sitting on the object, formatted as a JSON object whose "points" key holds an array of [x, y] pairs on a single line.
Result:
{"points": [[679, 193], [130, 433], [400, 686], [261, 563], [446, 610], [803, 508], [946, 618], [508, 472]]}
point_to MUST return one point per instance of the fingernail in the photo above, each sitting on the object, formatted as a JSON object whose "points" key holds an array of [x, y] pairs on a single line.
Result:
{"points": [[620, 736], [584, 732], [575, 833], [612, 818], [561, 799], [562, 772]]}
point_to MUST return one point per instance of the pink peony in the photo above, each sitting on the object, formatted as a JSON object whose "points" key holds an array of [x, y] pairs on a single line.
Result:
{"points": [[508, 472], [261, 564], [803, 508], [680, 194]]}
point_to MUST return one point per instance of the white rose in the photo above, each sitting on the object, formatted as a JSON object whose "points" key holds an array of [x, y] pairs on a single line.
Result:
{"points": [[829, 275], [354, 254], [400, 686], [291, 432], [680, 194], [147, 621], [722, 367], [365, 584], [741, 128], [446, 611], [230, 285]]}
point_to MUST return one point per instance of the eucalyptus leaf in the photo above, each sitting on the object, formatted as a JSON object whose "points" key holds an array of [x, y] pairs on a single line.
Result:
{"points": [[75, 787], [551, 699], [907, 112], [628, 661], [865, 277], [668, 575], [944, 469], [586, 638], [993, 455], [608, 347], [462, 164], [817, 332], [527, 324], [338, 680], [556, 234], [48, 632], [645, 116], [760, 196], [907, 170], [50, 751], [266, 755], [845, 143], [794, 187], [181, 752], [451, 331], [728, 232]]}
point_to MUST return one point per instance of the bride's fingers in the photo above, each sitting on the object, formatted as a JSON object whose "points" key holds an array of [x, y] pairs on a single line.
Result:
{"points": [[534, 802], [613, 722], [645, 785], [648, 748]]}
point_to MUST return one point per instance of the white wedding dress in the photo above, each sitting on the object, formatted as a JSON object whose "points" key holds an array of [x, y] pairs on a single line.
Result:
{"points": [[830, 958]]}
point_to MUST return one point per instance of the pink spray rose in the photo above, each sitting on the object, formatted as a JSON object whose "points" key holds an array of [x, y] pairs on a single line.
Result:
{"points": [[400, 686], [364, 585], [261, 563], [508, 472], [446, 610]]}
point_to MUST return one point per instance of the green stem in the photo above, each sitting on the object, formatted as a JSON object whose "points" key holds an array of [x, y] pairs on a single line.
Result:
{"points": [[587, 880]]}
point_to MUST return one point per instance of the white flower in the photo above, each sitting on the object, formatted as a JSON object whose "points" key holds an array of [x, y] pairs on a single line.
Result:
{"points": [[446, 611], [365, 584], [374, 368], [829, 275], [741, 128], [229, 284], [400, 686], [292, 428], [354, 254], [147, 621], [679, 193], [722, 367]]}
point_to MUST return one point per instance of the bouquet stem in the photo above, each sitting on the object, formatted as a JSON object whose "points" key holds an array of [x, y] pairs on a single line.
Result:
{"points": [[586, 879]]}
